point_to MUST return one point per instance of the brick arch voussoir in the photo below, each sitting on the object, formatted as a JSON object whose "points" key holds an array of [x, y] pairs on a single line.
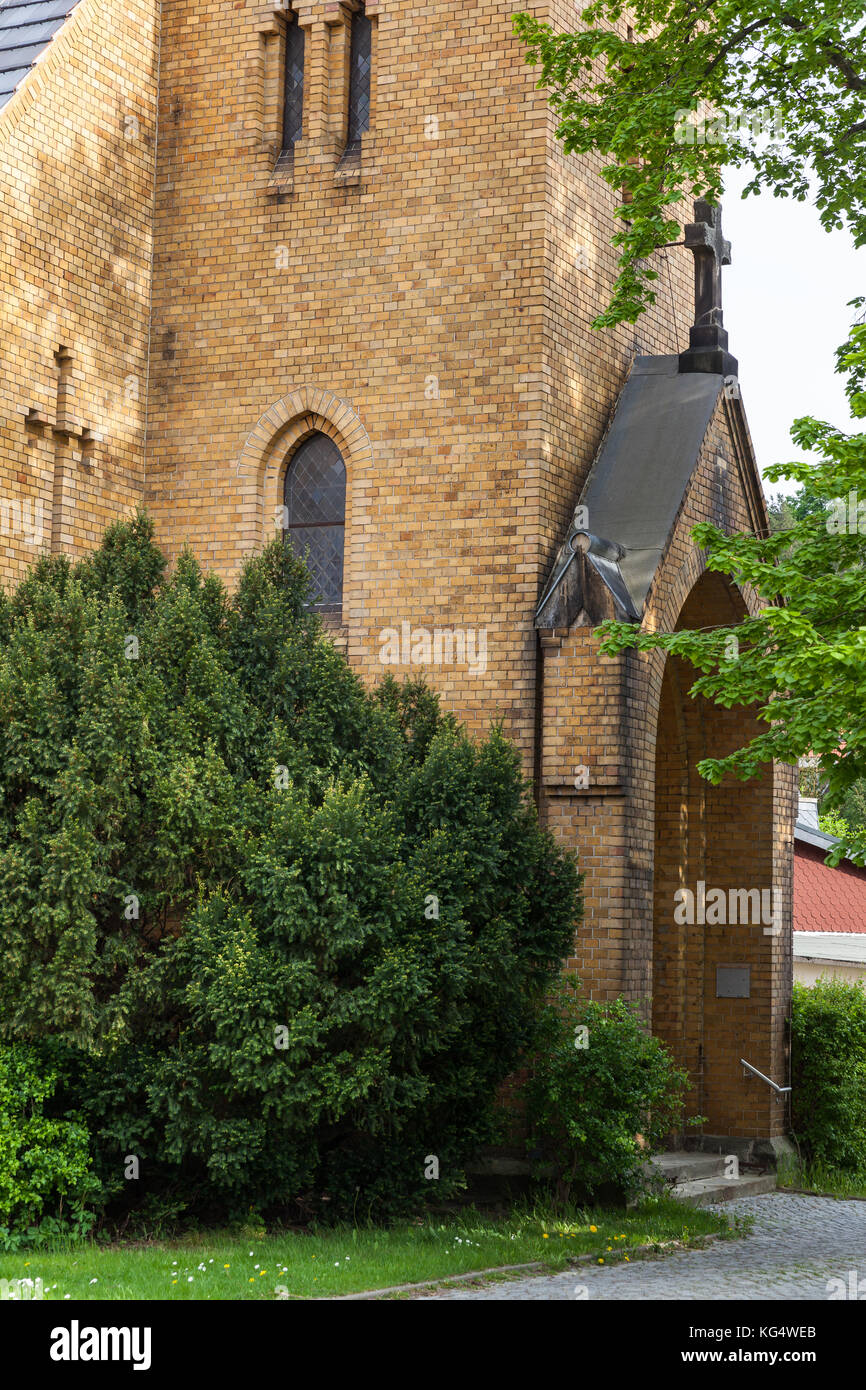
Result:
{"points": [[276, 435]]}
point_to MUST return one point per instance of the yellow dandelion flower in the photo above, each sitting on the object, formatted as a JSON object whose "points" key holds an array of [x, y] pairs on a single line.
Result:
{"points": [[600, 1260], [593, 1229], [226, 1266]]}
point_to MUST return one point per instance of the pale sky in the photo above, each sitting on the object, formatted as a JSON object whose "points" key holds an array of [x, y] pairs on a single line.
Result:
{"points": [[785, 306]]}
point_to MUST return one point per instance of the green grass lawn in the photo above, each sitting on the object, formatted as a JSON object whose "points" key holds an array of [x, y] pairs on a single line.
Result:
{"points": [[222, 1265]]}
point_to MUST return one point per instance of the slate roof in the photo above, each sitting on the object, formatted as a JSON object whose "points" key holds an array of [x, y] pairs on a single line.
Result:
{"points": [[26, 29]]}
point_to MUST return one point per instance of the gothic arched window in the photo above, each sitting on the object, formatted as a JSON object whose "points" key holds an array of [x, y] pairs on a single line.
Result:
{"points": [[293, 89], [315, 500], [360, 65]]}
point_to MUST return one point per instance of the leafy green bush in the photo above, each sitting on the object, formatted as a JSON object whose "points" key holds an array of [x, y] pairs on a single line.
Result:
{"points": [[597, 1082], [834, 823], [46, 1182], [293, 934], [828, 1047]]}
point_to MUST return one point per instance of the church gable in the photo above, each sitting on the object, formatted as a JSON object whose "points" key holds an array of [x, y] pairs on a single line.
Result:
{"points": [[624, 520], [672, 410], [634, 490]]}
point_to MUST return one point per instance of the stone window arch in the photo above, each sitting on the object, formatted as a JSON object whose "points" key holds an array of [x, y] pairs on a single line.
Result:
{"points": [[314, 498], [260, 473]]}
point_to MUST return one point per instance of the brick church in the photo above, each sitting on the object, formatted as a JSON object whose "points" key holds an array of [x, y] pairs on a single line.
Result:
{"points": [[324, 269]]}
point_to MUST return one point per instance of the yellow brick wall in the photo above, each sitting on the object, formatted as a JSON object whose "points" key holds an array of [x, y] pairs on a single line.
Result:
{"points": [[583, 370], [433, 301], [77, 150]]}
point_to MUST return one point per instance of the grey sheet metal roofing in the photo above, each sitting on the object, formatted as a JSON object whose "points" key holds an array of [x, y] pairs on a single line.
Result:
{"points": [[26, 29], [636, 484]]}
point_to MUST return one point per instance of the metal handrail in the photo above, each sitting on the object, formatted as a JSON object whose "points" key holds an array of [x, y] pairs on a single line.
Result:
{"points": [[780, 1089]]}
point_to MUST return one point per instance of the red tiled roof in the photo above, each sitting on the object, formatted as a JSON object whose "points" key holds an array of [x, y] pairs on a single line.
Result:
{"points": [[827, 899]]}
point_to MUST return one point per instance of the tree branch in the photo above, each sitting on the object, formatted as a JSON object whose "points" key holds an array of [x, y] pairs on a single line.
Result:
{"points": [[738, 38], [835, 56]]}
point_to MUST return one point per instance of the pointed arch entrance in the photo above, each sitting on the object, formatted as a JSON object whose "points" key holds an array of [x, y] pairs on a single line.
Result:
{"points": [[717, 909]]}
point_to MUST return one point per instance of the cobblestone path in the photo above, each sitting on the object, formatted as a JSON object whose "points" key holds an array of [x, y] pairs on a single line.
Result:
{"points": [[798, 1245]]}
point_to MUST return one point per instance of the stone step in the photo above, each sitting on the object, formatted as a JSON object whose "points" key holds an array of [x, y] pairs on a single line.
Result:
{"points": [[678, 1166], [704, 1192]]}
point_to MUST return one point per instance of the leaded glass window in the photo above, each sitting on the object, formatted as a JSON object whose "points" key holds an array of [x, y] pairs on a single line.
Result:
{"points": [[360, 64], [293, 105], [315, 499]]}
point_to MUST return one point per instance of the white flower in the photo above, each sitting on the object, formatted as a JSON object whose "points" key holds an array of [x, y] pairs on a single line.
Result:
{"points": [[66, 1295], [94, 1281], [336, 1264]]}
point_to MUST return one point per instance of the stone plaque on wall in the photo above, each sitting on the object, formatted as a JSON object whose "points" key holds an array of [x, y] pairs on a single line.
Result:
{"points": [[733, 981]]}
